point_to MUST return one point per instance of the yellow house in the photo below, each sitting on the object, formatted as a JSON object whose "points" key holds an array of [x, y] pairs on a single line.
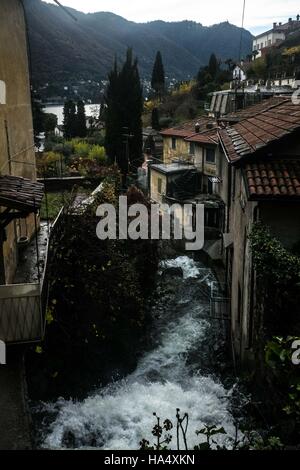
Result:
{"points": [[175, 143], [196, 143]]}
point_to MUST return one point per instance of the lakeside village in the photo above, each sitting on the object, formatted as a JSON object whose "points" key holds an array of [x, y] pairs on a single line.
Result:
{"points": [[228, 140]]}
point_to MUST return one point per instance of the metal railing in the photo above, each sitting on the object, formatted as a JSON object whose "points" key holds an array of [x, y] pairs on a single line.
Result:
{"points": [[23, 306]]}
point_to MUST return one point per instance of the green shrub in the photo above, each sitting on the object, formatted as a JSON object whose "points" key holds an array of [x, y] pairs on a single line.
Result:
{"points": [[81, 149], [97, 153]]}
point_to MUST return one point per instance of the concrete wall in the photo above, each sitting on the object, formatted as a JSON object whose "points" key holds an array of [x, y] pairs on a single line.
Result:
{"points": [[222, 189], [239, 217], [241, 220], [15, 115]]}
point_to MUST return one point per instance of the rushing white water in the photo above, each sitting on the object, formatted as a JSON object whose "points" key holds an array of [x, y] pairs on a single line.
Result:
{"points": [[167, 377]]}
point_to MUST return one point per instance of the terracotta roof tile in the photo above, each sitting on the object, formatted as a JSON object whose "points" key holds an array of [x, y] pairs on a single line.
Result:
{"points": [[256, 132], [253, 110], [208, 137], [273, 178], [187, 129]]}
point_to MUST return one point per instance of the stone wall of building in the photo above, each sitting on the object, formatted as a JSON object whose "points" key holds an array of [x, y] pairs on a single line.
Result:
{"points": [[17, 155]]}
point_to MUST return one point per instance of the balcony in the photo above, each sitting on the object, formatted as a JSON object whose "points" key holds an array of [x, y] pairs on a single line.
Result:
{"points": [[23, 304]]}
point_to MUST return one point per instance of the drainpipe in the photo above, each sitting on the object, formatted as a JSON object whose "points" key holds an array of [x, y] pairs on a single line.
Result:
{"points": [[2, 267], [149, 164]]}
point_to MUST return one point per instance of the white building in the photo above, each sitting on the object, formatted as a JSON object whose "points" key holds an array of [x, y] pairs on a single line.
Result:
{"points": [[274, 36], [239, 73]]}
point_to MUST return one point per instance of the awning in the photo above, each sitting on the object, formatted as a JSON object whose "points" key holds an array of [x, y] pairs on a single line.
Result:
{"points": [[20, 194]]}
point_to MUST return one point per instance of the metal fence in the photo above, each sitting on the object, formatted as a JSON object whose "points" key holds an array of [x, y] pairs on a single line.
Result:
{"points": [[20, 313]]}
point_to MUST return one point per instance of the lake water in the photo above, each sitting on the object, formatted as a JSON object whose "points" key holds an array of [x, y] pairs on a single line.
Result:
{"points": [[90, 110]]}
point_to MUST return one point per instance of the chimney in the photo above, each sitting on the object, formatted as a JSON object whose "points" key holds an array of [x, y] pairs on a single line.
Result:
{"points": [[298, 17], [274, 25], [280, 24], [290, 20], [197, 128]]}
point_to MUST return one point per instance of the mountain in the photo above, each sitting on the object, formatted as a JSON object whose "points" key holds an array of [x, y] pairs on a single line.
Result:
{"points": [[63, 49]]}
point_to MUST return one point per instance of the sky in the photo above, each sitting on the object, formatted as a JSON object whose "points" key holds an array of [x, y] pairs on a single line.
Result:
{"points": [[260, 14]]}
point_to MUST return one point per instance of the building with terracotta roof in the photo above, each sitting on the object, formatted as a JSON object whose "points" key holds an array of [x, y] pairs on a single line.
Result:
{"points": [[259, 171], [194, 142]]}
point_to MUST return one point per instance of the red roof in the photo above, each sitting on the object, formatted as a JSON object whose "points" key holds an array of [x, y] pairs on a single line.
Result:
{"points": [[209, 137], [257, 132], [278, 179], [188, 128]]}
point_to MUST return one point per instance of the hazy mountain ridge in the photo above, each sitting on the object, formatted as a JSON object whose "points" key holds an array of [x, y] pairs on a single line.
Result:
{"points": [[62, 48]]}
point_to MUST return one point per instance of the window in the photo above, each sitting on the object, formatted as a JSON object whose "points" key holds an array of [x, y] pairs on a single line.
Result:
{"points": [[192, 148], [159, 185], [210, 156], [173, 143]]}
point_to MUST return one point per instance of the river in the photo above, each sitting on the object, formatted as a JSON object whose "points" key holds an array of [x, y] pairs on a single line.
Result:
{"points": [[176, 371], [90, 110]]}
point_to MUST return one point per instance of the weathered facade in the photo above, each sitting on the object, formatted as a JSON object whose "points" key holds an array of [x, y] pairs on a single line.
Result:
{"points": [[195, 143], [175, 182], [17, 155], [260, 181]]}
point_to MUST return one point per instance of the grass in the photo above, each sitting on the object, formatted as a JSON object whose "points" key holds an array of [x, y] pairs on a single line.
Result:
{"points": [[55, 203]]}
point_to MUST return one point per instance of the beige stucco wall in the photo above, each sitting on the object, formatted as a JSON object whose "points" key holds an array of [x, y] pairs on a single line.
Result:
{"points": [[15, 114], [198, 157], [155, 195], [182, 149]]}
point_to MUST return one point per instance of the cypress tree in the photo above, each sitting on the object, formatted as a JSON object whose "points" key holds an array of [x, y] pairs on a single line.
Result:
{"points": [[155, 119], [158, 75], [124, 99], [70, 120], [213, 66], [113, 124], [81, 130]]}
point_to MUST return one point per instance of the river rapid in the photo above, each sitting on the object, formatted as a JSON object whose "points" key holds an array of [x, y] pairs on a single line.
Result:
{"points": [[176, 370]]}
